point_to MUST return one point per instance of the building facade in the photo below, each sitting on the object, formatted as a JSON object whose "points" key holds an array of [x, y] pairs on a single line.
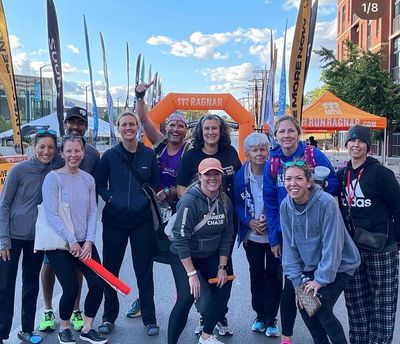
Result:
{"points": [[381, 34], [35, 99]]}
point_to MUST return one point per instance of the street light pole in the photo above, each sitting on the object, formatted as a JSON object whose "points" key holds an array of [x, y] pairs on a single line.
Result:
{"points": [[86, 87], [41, 88]]}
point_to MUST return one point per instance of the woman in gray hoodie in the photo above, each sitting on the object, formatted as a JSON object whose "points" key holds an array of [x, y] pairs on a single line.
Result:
{"points": [[318, 253], [20, 197], [201, 244]]}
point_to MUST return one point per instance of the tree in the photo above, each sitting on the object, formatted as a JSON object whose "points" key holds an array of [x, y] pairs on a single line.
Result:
{"points": [[314, 94], [360, 80]]}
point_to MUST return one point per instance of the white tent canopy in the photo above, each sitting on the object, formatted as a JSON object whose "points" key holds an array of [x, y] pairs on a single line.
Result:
{"points": [[52, 121]]}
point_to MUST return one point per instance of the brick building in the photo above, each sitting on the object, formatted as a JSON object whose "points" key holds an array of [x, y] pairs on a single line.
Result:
{"points": [[381, 34]]}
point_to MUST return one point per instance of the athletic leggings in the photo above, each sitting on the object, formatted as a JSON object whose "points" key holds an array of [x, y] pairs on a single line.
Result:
{"points": [[215, 308], [288, 308], [64, 266]]}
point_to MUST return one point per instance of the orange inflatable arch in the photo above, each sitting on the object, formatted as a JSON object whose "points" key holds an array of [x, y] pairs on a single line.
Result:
{"points": [[206, 101]]}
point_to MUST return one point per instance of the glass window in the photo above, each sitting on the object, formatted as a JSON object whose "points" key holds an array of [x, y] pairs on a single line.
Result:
{"points": [[369, 30]]}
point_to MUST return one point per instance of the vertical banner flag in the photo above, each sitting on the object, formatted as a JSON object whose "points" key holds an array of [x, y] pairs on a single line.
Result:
{"points": [[110, 109], [269, 110], [282, 86], [142, 72], [137, 77], [256, 110], [263, 98], [149, 93], [155, 87], [7, 79], [55, 58], [313, 23], [95, 114], [298, 58], [127, 77]]}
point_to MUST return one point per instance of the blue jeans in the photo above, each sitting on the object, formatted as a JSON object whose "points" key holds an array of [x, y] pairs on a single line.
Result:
{"points": [[324, 324]]}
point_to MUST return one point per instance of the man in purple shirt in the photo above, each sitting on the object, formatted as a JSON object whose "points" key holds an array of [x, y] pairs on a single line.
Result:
{"points": [[169, 150]]}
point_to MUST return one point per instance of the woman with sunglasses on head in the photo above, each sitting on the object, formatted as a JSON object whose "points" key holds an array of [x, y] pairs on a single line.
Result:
{"points": [[211, 140], [287, 132], [319, 256], [127, 216], [201, 244], [76, 188], [21, 195]]}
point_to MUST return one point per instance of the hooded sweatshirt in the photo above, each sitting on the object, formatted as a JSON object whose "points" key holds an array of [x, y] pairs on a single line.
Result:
{"points": [[215, 236], [21, 195], [274, 188], [376, 199], [119, 187], [316, 239]]}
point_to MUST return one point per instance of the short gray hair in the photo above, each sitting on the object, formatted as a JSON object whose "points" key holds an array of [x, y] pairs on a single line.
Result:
{"points": [[256, 139]]}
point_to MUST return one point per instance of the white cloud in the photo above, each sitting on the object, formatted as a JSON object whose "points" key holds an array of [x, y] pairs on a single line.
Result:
{"points": [[14, 42], [39, 52], [73, 48], [229, 79], [288, 4], [206, 46]]}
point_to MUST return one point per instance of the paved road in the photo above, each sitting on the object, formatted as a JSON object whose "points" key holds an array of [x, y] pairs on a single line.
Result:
{"points": [[132, 331]]}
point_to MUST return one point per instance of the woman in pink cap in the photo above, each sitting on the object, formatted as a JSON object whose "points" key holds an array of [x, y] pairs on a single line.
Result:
{"points": [[201, 244]]}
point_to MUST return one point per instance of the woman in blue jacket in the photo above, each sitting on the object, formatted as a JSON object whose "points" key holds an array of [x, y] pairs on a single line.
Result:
{"points": [[287, 132], [265, 276], [127, 216]]}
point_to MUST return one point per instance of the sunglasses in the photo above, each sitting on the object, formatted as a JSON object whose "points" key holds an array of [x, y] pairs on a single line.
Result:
{"points": [[46, 132], [298, 163]]}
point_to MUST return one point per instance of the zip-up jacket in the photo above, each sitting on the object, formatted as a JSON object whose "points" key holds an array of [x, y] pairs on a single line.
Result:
{"points": [[274, 188], [316, 239], [376, 199], [215, 236], [119, 187], [21, 195], [243, 201]]}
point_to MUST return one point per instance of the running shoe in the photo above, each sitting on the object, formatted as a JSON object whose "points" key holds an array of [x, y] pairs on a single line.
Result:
{"points": [[273, 330], [134, 311], [48, 322], [223, 328], [66, 337], [210, 340], [258, 326], [77, 321], [93, 337]]}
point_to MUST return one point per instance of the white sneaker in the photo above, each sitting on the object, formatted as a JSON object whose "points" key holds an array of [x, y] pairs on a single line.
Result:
{"points": [[223, 328], [210, 340]]}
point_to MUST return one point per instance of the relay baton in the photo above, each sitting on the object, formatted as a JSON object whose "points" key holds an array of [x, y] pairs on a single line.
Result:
{"points": [[215, 279], [107, 276]]}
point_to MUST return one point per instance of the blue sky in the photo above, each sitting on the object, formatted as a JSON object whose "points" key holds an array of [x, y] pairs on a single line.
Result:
{"points": [[197, 46]]}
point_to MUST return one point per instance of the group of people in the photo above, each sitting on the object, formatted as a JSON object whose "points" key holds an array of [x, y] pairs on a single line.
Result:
{"points": [[298, 238]]}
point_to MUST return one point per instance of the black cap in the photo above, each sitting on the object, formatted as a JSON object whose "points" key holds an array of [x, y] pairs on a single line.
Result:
{"points": [[360, 132], [77, 112]]}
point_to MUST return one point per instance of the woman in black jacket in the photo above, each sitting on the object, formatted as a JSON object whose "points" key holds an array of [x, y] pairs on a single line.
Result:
{"points": [[127, 216]]}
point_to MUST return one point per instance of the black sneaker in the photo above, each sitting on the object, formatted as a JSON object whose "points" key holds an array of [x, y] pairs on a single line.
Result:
{"points": [[66, 337], [93, 337]]}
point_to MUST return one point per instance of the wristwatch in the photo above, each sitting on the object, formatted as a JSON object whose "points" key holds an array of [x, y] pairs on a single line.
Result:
{"points": [[167, 191]]}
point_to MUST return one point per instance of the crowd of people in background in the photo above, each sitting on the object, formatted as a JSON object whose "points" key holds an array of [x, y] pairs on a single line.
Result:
{"points": [[300, 237]]}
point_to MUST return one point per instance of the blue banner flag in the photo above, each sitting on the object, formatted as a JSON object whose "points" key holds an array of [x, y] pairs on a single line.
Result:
{"points": [[94, 105], [282, 87]]}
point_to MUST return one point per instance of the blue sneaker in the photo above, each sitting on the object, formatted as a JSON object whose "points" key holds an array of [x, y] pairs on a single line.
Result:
{"points": [[258, 326], [134, 311], [273, 330]]}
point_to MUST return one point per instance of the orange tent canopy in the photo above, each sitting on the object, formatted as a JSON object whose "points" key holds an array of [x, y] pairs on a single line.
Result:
{"points": [[330, 113]]}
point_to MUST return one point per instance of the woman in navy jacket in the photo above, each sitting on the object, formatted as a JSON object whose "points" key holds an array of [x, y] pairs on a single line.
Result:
{"points": [[127, 216]]}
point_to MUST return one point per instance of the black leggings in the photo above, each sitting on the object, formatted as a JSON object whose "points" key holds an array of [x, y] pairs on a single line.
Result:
{"points": [[215, 308], [64, 266], [288, 308]]}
